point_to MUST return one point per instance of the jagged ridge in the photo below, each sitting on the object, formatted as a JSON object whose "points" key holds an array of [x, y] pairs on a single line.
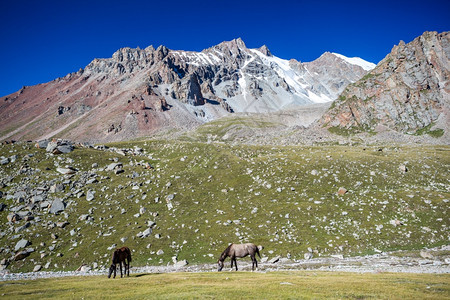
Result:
{"points": [[138, 92], [407, 91]]}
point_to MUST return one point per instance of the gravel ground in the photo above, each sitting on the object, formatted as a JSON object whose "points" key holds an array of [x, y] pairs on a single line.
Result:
{"points": [[377, 263]]}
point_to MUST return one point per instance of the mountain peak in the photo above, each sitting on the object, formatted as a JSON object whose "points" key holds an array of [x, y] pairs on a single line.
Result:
{"points": [[264, 50], [233, 45]]}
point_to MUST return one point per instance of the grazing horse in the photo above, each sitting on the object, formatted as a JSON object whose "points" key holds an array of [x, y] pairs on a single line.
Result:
{"points": [[122, 255], [239, 250]]}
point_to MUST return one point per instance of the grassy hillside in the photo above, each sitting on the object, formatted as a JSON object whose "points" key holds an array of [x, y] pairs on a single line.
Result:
{"points": [[240, 285], [203, 196]]}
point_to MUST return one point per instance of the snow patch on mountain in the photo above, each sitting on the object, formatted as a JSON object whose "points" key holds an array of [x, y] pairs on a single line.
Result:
{"points": [[357, 61]]}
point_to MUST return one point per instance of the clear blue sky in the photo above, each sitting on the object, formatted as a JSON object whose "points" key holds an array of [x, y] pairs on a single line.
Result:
{"points": [[42, 40]]}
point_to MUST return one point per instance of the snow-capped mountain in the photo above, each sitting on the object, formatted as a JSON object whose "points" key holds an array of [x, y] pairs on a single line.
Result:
{"points": [[139, 91]]}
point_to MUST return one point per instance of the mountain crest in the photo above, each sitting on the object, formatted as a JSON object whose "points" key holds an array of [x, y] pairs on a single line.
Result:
{"points": [[139, 92]]}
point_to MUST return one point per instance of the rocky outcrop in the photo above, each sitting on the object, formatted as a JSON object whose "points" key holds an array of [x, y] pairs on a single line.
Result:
{"points": [[189, 91], [407, 91]]}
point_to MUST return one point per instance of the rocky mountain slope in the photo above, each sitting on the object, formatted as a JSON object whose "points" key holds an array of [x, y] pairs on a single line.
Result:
{"points": [[138, 92], [408, 91]]}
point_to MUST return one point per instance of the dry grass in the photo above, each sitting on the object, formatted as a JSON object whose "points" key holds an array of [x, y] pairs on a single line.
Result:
{"points": [[236, 285]]}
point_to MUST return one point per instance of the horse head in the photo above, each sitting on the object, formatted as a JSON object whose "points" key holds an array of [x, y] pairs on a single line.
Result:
{"points": [[111, 270], [220, 263]]}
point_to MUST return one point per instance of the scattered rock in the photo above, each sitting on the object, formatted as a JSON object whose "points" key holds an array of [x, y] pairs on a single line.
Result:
{"points": [[181, 263], [21, 244], [66, 171], [62, 224], [57, 206], [21, 255], [90, 195], [342, 191], [160, 252], [4, 161], [274, 260], [13, 217], [308, 255], [426, 255], [37, 268]]}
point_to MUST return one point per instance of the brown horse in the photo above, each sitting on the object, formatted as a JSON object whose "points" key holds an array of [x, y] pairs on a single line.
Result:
{"points": [[122, 255], [239, 250]]}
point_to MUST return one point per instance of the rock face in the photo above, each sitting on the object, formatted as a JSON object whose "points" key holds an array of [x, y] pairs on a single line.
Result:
{"points": [[408, 90], [138, 92]]}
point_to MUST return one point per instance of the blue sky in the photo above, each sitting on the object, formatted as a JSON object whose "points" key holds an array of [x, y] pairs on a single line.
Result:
{"points": [[43, 40]]}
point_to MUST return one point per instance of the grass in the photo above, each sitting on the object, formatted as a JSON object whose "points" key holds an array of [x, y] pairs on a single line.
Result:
{"points": [[235, 285], [437, 133], [219, 128], [284, 198], [343, 131]]}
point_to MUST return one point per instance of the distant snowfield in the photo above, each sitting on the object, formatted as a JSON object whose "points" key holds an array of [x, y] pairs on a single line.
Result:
{"points": [[357, 61]]}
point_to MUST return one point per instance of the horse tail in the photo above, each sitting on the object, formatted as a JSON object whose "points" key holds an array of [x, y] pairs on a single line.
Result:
{"points": [[257, 251], [129, 253]]}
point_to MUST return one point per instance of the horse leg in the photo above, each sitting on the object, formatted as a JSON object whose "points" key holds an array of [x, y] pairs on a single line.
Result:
{"points": [[128, 274], [235, 263], [120, 264], [115, 268], [254, 262]]}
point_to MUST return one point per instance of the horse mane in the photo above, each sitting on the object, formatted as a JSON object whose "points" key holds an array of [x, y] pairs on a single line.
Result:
{"points": [[225, 252]]}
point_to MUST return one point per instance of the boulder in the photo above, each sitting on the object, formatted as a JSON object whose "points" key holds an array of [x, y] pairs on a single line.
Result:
{"points": [[57, 206], [51, 146], [21, 255], [90, 195], [146, 232], [66, 171], [403, 168], [42, 144], [37, 268], [57, 188], [426, 255], [181, 263], [13, 217], [114, 166], [342, 191], [84, 268], [22, 228], [274, 260], [62, 224], [21, 244], [308, 255], [4, 160], [65, 148]]}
